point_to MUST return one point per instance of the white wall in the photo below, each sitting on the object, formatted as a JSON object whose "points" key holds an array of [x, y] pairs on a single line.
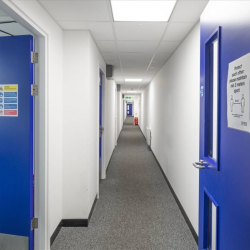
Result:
{"points": [[119, 113], [96, 62], [170, 107], [110, 126], [75, 124], [124, 110], [82, 62]]}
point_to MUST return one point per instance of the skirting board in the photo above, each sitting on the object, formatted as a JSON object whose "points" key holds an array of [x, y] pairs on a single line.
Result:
{"points": [[178, 203], [72, 223]]}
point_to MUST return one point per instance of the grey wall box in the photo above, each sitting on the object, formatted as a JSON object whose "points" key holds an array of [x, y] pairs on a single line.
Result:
{"points": [[109, 72]]}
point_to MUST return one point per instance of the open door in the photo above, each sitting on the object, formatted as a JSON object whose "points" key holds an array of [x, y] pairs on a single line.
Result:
{"points": [[224, 203], [16, 143]]}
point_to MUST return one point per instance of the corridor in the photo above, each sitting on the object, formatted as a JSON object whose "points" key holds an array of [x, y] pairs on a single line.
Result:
{"points": [[136, 209]]}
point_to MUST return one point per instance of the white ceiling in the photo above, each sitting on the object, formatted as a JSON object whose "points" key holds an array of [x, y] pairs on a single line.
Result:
{"points": [[136, 50]]}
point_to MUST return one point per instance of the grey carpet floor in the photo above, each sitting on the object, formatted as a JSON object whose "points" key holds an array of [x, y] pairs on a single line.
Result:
{"points": [[136, 209]]}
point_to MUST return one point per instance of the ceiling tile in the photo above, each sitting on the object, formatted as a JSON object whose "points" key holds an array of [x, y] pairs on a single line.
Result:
{"points": [[162, 57], [188, 11], [115, 63], [135, 57], [106, 46], [148, 31], [137, 46], [157, 64], [153, 70], [119, 79], [167, 47], [177, 31], [117, 73], [135, 64], [99, 30], [113, 56], [77, 10], [134, 69]]}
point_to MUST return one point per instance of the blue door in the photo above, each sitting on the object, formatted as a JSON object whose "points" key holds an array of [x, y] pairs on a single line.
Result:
{"points": [[224, 177], [129, 109], [16, 143], [100, 123]]}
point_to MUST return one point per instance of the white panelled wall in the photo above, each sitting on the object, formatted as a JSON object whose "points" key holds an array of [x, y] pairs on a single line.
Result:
{"points": [[170, 108]]}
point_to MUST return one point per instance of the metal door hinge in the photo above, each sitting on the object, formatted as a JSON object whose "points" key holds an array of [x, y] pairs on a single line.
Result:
{"points": [[34, 224], [34, 57], [34, 90]]}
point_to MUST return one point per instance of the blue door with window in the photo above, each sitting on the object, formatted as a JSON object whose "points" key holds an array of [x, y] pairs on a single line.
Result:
{"points": [[224, 177], [129, 109], [16, 143]]}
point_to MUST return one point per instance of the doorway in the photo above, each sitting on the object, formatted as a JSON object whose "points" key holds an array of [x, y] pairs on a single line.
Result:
{"points": [[24, 109]]}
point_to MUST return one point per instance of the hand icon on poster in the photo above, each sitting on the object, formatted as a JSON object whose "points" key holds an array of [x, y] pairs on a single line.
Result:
{"points": [[242, 103], [1, 94]]}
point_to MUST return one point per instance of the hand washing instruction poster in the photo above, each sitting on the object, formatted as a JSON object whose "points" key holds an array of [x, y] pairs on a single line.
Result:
{"points": [[238, 92], [8, 100]]}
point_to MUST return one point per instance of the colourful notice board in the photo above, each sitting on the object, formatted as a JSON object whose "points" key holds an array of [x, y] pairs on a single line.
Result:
{"points": [[8, 100]]}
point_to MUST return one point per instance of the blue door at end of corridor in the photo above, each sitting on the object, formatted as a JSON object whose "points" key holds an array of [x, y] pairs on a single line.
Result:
{"points": [[16, 143], [224, 203], [129, 109]]}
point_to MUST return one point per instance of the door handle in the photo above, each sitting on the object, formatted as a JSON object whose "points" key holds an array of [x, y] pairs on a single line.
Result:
{"points": [[199, 164], [101, 129]]}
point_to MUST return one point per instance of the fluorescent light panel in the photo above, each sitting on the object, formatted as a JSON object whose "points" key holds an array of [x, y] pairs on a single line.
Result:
{"points": [[140, 11], [131, 91], [133, 80]]}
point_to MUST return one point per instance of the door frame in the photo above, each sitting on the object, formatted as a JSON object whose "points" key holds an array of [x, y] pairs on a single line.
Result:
{"points": [[103, 171], [41, 235]]}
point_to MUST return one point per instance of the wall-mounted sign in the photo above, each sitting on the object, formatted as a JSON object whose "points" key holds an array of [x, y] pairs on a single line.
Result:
{"points": [[8, 100], [238, 93]]}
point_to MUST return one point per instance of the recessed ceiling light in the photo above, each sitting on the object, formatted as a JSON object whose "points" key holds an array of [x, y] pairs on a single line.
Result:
{"points": [[131, 91], [139, 11], [133, 80]]}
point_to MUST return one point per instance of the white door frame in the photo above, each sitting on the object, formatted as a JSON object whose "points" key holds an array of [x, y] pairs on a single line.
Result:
{"points": [[42, 237]]}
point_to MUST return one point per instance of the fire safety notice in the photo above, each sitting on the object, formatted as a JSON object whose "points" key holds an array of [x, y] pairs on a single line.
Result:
{"points": [[9, 100], [238, 92]]}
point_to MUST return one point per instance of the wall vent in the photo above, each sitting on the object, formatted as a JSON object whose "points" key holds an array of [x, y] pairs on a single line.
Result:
{"points": [[109, 72]]}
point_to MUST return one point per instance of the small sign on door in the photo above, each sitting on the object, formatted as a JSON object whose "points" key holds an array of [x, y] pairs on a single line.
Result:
{"points": [[8, 100], [238, 93]]}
